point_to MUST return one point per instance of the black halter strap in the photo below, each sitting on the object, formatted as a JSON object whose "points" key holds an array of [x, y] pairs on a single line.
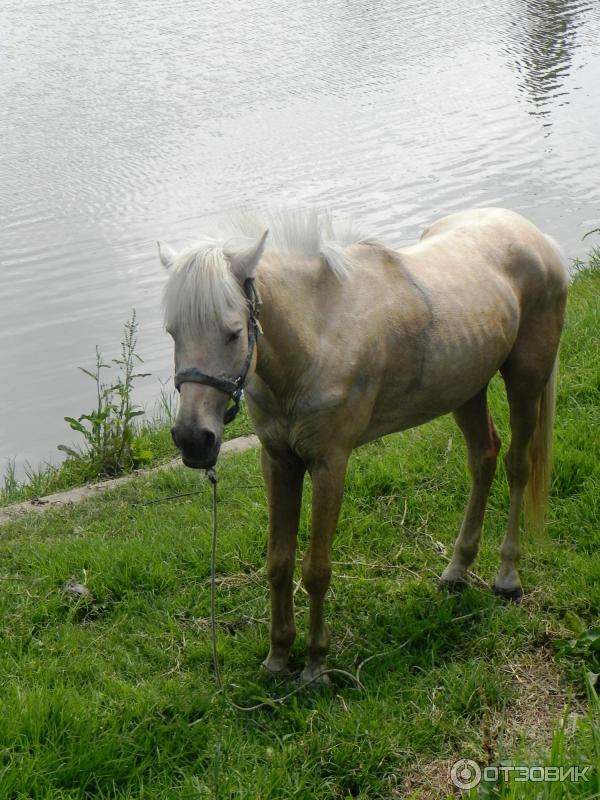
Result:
{"points": [[224, 383]]}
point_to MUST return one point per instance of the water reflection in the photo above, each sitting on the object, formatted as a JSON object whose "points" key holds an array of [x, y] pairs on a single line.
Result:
{"points": [[545, 35]]}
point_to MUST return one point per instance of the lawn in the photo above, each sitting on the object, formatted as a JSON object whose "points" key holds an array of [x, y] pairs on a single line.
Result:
{"points": [[109, 691]]}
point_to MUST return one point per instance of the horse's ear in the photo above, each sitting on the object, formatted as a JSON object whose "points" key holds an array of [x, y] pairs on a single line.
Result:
{"points": [[166, 254], [245, 262]]}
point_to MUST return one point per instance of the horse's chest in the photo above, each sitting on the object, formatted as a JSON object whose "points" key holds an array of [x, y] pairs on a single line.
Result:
{"points": [[326, 408]]}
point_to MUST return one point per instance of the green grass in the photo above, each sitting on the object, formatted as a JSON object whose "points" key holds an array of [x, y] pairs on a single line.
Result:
{"points": [[113, 695]]}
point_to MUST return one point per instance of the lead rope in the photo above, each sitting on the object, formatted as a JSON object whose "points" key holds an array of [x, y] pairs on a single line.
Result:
{"points": [[212, 477]]}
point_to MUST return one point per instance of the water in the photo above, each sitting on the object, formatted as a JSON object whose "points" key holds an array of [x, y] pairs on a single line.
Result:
{"points": [[123, 123]]}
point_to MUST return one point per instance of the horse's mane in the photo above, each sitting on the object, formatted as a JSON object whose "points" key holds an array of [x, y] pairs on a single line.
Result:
{"points": [[307, 232], [202, 286]]}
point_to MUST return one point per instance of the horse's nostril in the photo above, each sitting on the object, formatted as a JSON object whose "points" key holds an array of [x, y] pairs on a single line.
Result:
{"points": [[206, 439], [174, 437]]}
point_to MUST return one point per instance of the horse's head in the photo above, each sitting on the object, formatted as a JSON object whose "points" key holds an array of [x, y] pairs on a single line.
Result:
{"points": [[208, 309]]}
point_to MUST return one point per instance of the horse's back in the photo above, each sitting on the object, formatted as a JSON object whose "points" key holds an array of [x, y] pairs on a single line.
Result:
{"points": [[491, 259], [478, 273], [496, 240]]}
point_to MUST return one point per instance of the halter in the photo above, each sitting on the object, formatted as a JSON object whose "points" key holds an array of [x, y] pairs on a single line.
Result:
{"points": [[224, 383]]}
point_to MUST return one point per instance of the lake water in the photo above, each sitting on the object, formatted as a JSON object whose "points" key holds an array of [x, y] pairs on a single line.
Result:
{"points": [[123, 123]]}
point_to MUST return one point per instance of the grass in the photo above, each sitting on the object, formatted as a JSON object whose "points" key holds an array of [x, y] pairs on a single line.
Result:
{"points": [[110, 693]]}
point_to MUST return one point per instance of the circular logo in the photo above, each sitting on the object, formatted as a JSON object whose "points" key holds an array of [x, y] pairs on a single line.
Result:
{"points": [[465, 773]]}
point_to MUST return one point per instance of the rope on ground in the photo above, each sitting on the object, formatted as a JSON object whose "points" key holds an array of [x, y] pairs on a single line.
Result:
{"points": [[189, 494], [275, 701]]}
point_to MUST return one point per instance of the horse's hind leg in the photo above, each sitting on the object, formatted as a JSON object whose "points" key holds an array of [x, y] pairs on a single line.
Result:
{"points": [[529, 376], [524, 387], [483, 444]]}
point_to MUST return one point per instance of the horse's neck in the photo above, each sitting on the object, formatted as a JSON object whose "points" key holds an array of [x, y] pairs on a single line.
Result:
{"points": [[288, 321]]}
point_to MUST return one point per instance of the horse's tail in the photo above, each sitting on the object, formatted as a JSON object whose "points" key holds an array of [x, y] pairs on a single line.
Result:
{"points": [[538, 487]]}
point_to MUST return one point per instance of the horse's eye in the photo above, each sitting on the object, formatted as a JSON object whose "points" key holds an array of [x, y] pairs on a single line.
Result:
{"points": [[233, 336]]}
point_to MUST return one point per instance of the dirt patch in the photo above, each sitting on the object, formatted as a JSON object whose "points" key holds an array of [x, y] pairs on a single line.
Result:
{"points": [[428, 780], [526, 725], [543, 697]]}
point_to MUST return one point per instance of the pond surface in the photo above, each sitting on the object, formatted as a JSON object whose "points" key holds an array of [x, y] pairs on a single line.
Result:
{"points": [[123, 123]]}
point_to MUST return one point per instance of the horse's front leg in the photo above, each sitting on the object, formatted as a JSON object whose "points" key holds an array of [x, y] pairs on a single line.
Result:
{"points": [[283, 478], [328, 487]]}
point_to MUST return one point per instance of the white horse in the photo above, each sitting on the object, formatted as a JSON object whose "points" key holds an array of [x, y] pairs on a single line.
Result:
{"points": [[360, 340]]}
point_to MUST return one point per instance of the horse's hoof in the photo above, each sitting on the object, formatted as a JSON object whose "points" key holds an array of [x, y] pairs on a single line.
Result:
{"points": [[455, 585], [512, 593], [314, 676], [276, 670]]}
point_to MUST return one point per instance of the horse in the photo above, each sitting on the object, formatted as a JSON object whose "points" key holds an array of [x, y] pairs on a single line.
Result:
{"points": [[357, 340]]}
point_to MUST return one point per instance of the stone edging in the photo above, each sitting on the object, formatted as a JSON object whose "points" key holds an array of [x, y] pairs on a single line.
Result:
{"points": [[39, 505]]}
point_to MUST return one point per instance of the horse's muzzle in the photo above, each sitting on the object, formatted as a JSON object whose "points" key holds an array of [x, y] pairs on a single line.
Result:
{"points": [[199, 448]]}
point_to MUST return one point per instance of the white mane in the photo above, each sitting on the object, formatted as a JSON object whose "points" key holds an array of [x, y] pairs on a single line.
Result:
{"points": [[202, 287]]}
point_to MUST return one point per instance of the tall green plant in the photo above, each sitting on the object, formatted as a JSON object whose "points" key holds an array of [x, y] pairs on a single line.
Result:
{"points": [[109, 430]]}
